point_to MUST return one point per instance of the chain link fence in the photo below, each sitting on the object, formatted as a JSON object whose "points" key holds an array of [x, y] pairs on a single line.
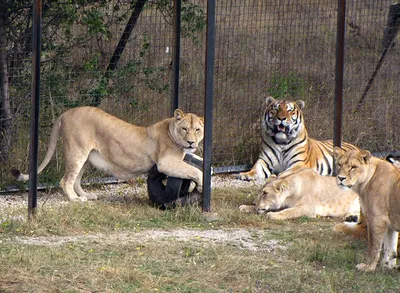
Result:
{"points": [[281, 48]]}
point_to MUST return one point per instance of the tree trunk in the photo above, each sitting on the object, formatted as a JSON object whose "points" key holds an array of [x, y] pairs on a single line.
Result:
{"points": [[112, 65], [5, 105]]}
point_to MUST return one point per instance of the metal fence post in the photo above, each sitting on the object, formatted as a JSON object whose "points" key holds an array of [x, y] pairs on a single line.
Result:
{"points": [[34, 131], [208, 104], [176, 57], [337, 135]]}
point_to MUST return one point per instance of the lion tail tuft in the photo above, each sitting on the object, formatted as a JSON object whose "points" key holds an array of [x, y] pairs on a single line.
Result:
{"points": [[19, 176]]}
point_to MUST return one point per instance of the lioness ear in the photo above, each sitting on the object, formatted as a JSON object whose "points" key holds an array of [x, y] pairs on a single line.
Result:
{"points": [[281, 185], [337, 152], [269, 100], [301, 104], [366, 155], [178, 114]]}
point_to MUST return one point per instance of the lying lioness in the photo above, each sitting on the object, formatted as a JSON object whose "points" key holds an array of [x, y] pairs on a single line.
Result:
{"points": [[122, 149], [378, 184], [305, 193]]}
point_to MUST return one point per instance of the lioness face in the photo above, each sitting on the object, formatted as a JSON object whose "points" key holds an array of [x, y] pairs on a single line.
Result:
{"points": [[351, 167], [187, 130], [272, 197]]}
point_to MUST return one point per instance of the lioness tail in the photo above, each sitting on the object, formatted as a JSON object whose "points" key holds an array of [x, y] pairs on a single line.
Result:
{"points": [[49, 154]]}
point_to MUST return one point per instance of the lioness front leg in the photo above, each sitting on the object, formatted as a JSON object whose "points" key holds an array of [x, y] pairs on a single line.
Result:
{"points": [[291, 213], [376, 233], [180, 169]]}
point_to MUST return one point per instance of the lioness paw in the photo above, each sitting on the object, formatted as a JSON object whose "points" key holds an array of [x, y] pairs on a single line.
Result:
{"points": [[365, 267], [79, 198], [274, 216], [90, 196], [247, 209]]}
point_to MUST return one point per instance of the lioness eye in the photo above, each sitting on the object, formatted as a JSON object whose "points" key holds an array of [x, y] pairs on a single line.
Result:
{"points": [[184, 129], [353, 168], [198, 130]]}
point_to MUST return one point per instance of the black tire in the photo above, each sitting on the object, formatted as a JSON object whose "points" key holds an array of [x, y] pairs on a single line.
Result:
{"points": [[164, 195], [167, 192]]}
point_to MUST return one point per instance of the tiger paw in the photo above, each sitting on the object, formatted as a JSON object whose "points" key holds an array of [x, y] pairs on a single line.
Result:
{"points": [[247, 176]]}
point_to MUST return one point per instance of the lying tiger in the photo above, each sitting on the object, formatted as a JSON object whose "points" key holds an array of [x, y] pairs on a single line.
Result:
{"points": [[286, 145]]}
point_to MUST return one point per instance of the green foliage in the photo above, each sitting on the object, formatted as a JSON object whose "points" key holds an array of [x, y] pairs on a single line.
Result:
{"points": [[125, 80], [94, 20], [286, 86], [193, 17], [193, 20]]}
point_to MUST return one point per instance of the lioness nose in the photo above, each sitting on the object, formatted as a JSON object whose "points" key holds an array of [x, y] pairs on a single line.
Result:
{"points": [[190, 142], [341, 178]]}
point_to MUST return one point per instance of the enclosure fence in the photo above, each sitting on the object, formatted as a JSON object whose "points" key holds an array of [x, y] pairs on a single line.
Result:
{"points": [[284, 49]]}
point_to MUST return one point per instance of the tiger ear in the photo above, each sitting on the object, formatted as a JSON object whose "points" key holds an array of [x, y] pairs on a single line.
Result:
{"points": [[269, 100], [337, 152], [365, 155], [178, 114], [301, 104]]}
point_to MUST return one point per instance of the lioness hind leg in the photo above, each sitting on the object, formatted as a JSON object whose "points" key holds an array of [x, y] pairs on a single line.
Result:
{"points": [[389, 249], [67, 183], [78, 188]]}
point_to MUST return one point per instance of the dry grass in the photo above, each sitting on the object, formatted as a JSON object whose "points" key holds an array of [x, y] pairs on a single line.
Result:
{"points": [[127, 246]]}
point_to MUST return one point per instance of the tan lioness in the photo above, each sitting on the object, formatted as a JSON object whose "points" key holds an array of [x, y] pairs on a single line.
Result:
{"points": [[378, 184], [122, 149], [305, 193]]}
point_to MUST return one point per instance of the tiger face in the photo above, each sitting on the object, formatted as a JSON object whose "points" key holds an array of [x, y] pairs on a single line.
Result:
{"points": [[283, 120]]}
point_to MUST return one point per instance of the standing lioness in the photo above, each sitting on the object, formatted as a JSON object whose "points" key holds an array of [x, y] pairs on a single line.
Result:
{"points": [[120, 148], [378, 184]]}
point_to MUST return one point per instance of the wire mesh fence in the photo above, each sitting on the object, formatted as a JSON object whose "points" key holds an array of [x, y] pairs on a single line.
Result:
{"points": [[281, 48]]}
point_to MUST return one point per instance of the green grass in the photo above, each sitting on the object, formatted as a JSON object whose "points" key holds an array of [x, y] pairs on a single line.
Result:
{"points": [[103, 249]]}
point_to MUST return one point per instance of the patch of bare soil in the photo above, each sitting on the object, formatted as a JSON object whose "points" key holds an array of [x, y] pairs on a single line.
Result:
{"points": [[251, 240]]}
